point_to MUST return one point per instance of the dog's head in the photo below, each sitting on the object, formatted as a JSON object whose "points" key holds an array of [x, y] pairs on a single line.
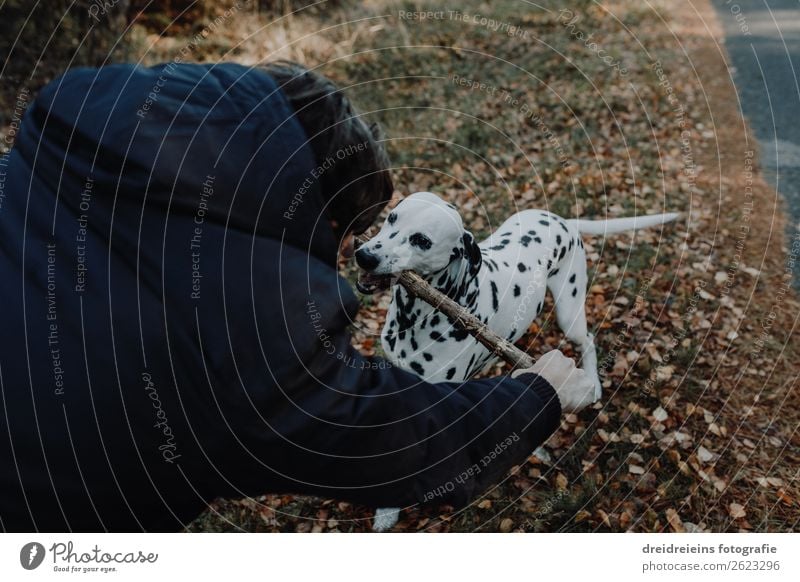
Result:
{"points": [[423, 233]]}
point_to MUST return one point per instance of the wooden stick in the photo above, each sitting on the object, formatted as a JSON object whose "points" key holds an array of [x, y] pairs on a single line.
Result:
{"points": [[503, 348]]}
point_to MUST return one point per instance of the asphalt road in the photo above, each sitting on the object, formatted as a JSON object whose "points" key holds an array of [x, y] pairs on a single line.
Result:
{"points": [[763, 40]]}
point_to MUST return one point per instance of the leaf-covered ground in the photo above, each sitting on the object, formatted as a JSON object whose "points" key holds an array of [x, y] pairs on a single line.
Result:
{"points": [[606, 109]]}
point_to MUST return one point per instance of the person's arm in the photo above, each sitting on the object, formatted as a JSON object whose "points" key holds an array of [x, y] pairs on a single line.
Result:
{"points": [[408, 441]]}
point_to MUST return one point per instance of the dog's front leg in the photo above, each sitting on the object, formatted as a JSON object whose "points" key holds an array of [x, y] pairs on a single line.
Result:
{"points": [[385, 518]]}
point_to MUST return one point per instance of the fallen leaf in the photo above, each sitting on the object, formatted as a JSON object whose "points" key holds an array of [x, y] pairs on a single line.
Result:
{"points": [[660, 414], [785, 497], [664, 373], [675, 521], [736, 511], [704, 455]]}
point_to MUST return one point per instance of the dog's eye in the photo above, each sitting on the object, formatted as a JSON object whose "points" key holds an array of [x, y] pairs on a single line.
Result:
{"points": [[392, 218], [420, 240]]}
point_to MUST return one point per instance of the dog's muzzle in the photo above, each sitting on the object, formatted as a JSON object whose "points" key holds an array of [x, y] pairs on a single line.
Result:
{"points": [[369, 282]]}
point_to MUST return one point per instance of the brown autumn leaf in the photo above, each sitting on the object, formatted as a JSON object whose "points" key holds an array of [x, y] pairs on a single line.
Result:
{"points": [[736, 511], [674, 521]]}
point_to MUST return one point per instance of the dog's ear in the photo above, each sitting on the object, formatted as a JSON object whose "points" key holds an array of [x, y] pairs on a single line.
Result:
{"points": [[472, 251]]}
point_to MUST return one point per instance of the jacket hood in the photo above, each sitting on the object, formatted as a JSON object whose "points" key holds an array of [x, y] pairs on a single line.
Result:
{"points": [[224, 132]]}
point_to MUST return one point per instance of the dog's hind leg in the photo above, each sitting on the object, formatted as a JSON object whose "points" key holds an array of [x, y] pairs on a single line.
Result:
{"points": [[568, 287]]}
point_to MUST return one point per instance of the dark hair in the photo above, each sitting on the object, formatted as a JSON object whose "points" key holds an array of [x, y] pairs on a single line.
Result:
{"points": [[358, 183]]}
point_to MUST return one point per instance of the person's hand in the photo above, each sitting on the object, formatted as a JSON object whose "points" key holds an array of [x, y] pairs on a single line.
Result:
{"points": [[573, 386]]}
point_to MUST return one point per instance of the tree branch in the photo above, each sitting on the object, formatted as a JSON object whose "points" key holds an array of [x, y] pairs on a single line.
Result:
{"points": [[503, 348]]}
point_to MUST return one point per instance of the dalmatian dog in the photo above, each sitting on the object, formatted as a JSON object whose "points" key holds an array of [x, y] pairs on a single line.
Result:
{"points": [[501, 280]]}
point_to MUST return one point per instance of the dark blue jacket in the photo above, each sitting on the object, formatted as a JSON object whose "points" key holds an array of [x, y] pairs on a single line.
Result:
{"points": [[173, 328]]}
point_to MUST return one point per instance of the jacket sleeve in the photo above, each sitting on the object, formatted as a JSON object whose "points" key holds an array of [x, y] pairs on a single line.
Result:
{"points": [[445, 442], [364, 430], [334, 423]]}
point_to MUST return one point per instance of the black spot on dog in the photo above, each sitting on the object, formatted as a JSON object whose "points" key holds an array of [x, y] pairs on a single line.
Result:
{"points": [[571, 242], [435, 320], [505, 264], [414, 344], [525, 240], [555, 253], [572, 278], [497, 248], [458, 334], [495, 302], [427, 356], [562, 253], [564, 226], [391, 340], [574, 291], [521, 267], [402, 353], [472, 252], [558, 239], [392, 218], [378, 246], [553, 273], [420, 241], [549, 264], [394, 234], [417, 368], [436, 336], [580, 242], [517, 291], [539, 308], [532, 232], [537, 240], [442, 280], [544, 222], [402, 335], [450, 373], [405, 316]]}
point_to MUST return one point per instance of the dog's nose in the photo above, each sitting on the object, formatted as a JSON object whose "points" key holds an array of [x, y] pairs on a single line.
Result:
{"points": [[366, 260]]}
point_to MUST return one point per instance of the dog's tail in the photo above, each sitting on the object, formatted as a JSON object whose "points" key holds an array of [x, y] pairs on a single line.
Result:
{"points": [[614, 225]]}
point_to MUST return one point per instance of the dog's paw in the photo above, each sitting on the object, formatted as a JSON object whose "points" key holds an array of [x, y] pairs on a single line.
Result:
{"points": [[385, 518]]}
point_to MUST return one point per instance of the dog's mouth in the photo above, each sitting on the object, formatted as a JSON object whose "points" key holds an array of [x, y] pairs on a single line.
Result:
{"points": [[369, 283]]}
